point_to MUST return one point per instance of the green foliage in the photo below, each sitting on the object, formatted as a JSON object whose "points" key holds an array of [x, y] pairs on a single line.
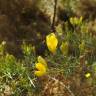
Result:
{"points": [[70, 51], [80, 44], [15, 74]]}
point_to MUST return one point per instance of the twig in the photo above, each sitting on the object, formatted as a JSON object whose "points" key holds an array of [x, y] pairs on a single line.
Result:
{"points": [[54, 16], [31, 81], [71, 93]]}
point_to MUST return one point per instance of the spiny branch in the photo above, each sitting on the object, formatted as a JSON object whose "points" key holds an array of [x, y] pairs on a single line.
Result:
{"points": [[54, 16]]}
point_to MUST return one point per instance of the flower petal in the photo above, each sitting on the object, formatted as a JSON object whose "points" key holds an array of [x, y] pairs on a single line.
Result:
{"points": [[52, 42], [41, 69], [42, 60]]}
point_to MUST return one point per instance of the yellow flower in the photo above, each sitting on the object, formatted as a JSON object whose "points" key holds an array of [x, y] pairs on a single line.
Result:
{"points": [[64, 48], [52, 42], [80, 20], [59, 30], [41, 70], [76, 21], [82, 46], [41, 67], [42, 60], [87, 75]]}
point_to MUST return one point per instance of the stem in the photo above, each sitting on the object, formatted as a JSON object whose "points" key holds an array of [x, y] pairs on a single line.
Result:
{"points": [[54, 16]]}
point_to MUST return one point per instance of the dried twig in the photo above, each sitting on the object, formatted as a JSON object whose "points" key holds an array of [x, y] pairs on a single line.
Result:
{"points": [[54, 16], [67, 87]]}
